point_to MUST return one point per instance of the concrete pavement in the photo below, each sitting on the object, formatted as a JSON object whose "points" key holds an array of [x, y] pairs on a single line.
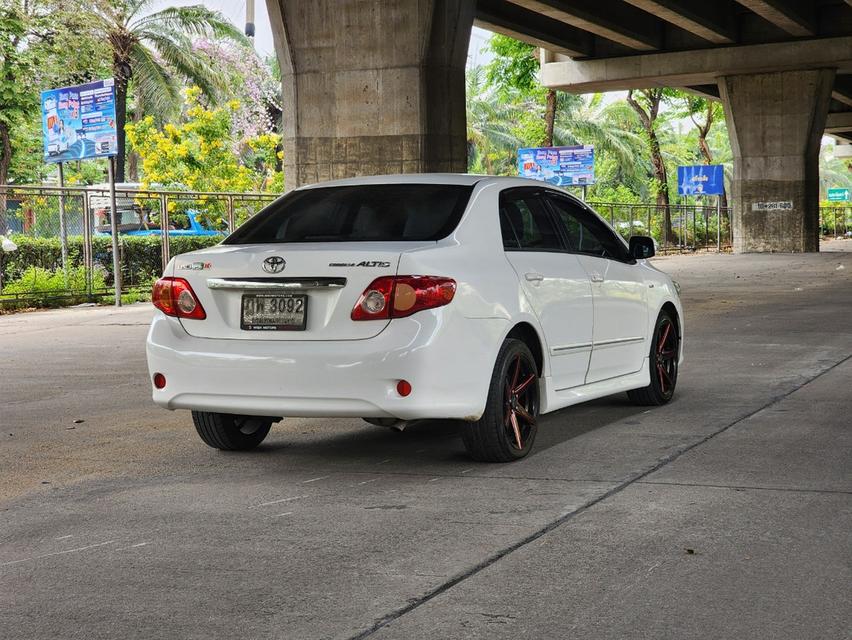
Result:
{"points": [[723, 514]]}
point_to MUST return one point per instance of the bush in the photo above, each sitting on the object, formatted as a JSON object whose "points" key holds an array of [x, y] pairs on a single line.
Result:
{"points": [[140, 256], [45, 287]]}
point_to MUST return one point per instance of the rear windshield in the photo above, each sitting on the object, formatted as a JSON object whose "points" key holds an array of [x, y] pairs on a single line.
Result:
{"points": [[368, 213]]}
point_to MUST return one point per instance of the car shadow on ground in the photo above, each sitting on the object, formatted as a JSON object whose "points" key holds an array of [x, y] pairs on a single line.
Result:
{"points": [[433, 442]]}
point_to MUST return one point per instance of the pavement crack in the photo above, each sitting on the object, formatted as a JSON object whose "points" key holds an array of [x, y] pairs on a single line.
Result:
{"points": [[415, 603], [744, 487]]}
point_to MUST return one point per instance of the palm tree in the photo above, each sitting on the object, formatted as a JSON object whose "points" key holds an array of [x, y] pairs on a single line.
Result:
{"points": [[590, 121], [491, 141], [155, 53], [646, 103]]}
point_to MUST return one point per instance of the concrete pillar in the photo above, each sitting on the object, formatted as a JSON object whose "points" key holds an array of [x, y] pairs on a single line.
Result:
{"points": [[775, 122], [372, 86]]}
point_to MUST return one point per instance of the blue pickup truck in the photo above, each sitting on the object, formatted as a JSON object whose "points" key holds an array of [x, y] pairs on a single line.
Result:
{"points": [[137, 226], [133, 220]]}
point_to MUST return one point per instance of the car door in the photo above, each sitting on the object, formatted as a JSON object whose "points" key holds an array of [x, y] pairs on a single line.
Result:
{"points": [[618, 289], [553, 280]]}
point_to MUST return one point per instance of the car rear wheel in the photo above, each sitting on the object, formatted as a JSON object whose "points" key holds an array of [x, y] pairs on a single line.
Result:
{"points": [[665, 347], [507, 429], [230, 432]]}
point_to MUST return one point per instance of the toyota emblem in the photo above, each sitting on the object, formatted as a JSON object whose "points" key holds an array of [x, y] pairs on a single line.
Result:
{"points": [[274, 264]]}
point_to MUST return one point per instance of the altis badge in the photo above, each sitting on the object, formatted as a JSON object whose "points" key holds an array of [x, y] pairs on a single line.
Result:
{"points": [[363, 263], [195, 266]]}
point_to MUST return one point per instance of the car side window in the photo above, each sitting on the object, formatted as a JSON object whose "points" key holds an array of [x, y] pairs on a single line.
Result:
{"points": [[525, 222], [585, 232]]}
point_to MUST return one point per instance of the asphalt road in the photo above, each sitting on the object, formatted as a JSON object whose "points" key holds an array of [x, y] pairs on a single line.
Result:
{"points": [[726, 514]]}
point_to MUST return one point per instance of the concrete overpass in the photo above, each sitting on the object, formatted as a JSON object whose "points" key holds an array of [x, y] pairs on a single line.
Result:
{"points": [[377, 86]]}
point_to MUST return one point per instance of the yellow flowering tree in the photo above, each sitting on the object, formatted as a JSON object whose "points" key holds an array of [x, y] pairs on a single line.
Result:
{"points": [[204, 153]]}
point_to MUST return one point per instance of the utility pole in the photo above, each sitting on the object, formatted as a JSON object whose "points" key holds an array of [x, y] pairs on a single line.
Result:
{"points": [[250, 19]]}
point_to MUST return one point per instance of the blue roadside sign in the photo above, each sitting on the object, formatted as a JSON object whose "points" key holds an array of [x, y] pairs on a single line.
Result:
{"points": [[701, 180], [79, 122], [836, 194], [561, 166]]}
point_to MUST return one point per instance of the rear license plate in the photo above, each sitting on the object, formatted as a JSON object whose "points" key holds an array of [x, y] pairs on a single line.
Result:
{"points": [[274, 312]]}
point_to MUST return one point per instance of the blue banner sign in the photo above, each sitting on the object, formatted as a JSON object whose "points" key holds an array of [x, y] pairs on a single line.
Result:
{"points": [[79, 122], [561, 166], [701, 180]]}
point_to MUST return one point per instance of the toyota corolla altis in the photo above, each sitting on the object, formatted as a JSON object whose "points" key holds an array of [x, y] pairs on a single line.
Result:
{"points": [[398, 298]]}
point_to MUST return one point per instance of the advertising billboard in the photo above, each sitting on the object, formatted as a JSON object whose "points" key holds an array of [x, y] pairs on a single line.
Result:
{"points": [[561, 166], [79, 122], [701, 180]]}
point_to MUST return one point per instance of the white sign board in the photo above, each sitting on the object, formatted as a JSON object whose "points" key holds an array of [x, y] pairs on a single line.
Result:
{"points": [[785, 205]]}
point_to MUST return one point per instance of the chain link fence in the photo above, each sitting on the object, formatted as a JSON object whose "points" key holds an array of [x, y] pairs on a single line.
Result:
{"points": [[65, 248], [65, 244]]}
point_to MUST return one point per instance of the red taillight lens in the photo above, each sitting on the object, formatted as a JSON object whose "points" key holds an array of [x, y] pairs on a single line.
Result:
{"points": [[175, 297], [159, 380], [400, 296]]}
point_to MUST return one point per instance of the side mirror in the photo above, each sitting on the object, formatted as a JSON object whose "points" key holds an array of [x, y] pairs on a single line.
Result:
{"points": [[642, 247]]}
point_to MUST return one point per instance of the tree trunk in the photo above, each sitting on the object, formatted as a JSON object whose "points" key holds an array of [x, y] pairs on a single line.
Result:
{"points": [[648, 118], [5, 162], [662, 179], [120, 120], [549, 117], [122, 72]]}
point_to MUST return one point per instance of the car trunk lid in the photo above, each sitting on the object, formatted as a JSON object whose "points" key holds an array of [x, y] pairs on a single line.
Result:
{"points": [[330, 276]]}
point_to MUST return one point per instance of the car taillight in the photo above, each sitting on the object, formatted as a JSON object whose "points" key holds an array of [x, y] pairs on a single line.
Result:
{"points": [[174, 297], [400, 296]]}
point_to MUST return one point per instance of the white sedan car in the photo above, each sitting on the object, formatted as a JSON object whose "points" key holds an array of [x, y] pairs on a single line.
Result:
{"points": [[397, 298]]}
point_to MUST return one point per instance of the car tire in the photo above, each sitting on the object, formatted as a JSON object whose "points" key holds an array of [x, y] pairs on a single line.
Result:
{"points": [[507, 429], [662, 362], [230, 432]]}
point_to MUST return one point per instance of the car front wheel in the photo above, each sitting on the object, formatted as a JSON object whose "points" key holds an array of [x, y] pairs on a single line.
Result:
{"points": [[665, 347], [230, 432], [507, 429]]}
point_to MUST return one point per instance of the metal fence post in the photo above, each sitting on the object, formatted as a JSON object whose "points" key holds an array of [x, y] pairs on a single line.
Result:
{"points": [[718, 224], [113, 214], [694, 232], [63, 230], [88, 249], [630, 230], [164, 226], [230, 214]]}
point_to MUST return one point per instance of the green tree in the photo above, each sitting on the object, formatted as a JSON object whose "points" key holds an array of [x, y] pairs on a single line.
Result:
{"points": [[491, 138], [703, 113], [155, 52], [611, 130], [646, 103], [36, 37], [515, 70]]}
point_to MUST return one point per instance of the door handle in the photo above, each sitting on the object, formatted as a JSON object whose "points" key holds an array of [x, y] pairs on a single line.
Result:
{"points": [[534, 277], [596, 277]]}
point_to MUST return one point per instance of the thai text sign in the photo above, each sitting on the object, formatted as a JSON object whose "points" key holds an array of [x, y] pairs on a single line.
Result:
{"points": [[701, 180]]}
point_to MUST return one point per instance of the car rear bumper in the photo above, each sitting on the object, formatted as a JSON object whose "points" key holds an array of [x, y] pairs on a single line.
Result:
{"points": [[448, 359]]}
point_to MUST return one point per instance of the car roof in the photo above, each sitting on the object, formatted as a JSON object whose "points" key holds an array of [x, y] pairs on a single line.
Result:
{"points": [[464, 179]]}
